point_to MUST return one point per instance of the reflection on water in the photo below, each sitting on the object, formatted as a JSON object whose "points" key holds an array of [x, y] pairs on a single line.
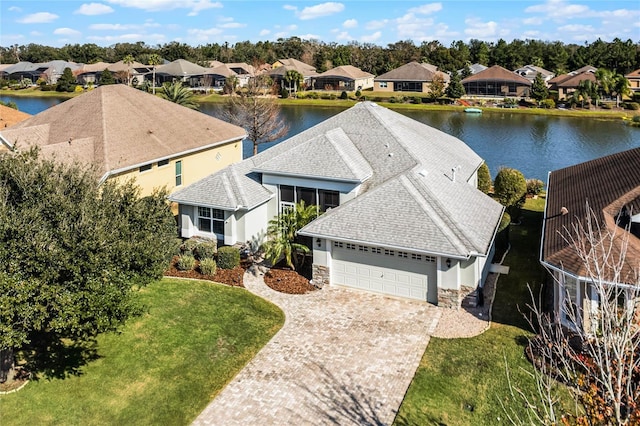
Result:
{"points": [[533, 144]]}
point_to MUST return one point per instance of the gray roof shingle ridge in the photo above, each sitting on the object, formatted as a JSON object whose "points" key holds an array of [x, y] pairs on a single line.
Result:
{"points": [[228, 188], [347, 150], [436, 211]]}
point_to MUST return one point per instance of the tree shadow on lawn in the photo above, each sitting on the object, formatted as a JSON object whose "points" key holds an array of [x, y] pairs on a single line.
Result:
{"points": [[58, 358]]}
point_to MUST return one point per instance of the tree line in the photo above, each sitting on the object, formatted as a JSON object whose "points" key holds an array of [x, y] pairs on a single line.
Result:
{"points": [[618, 55]]}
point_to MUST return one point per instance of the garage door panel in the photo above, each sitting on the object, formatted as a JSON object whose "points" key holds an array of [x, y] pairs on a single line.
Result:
{"points": [[378, 273]]}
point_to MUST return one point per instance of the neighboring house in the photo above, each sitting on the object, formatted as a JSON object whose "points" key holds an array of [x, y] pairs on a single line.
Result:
{"points": [[126, 133], [345, 77], [496, 81], [120, 70], [180, 70], [401, 212], [25, 70], [243, 72], [474, 68], [611, 187], [215, 78], [411, 77], [531, 71], [566, 84], [634, 80], [90, 73], [280, 68]]}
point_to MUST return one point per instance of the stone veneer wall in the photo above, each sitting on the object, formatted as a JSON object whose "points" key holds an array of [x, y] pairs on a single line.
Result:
{"points": [[320, 275], [453, 298]]}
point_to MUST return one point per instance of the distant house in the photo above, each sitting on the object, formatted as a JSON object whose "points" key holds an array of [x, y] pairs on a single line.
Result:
{"points": [[90, 73], [473, 68], [129, 134], [402, 214], [215, 78], [49, 71], [634, 80], [611, 187], [243, 72], [411, 77], [280, 68], [531, 71], [121, 70], [496, 81], [566, 84], [180, 70], [345, 77]]}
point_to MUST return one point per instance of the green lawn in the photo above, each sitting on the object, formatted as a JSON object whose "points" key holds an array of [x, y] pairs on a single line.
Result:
{"points": [[463, 381], [163, 368]]}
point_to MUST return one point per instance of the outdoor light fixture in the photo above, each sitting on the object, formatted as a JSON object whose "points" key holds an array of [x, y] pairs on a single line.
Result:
{"points": [[448, 262], [318, 242]]}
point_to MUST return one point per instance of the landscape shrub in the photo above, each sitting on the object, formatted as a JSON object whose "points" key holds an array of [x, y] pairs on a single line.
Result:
{"points": [[534, 186], [634, 106], [547, 103], [333, 97], [186, 262], [48, 87], [393, 100], [417, 100], [228, 257], [358, 93], [344, 95], [325, 96], [208, 266], [189, 246], [284, 93], [206, 250]]}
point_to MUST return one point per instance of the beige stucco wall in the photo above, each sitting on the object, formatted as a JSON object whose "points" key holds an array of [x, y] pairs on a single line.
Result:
{"points": [[195, 166], [377, 88]]}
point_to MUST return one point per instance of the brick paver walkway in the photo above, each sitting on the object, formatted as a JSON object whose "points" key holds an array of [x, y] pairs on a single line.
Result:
{"points": [[342, 357]]}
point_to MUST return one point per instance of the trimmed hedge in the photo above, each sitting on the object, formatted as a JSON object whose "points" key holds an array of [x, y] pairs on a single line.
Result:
{"points": [[206, 250], [186, 262], [228, 257]]}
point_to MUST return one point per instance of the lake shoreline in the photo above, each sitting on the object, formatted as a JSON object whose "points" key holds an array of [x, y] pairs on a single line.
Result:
{"points": [[618, 114]]}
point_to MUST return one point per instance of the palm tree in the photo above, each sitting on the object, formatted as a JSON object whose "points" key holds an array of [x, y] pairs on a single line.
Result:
{"points": [[154, 59], [620, 87], [586, 90], [179, 94], [128, 60], [295, 78], [282, 240]]}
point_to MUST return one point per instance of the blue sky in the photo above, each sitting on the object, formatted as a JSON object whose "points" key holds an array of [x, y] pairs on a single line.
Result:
{"points": [[196, 22]]}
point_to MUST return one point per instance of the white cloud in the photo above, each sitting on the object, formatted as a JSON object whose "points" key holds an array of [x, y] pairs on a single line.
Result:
{"points": [[483, 30], [14, 9], [533, 21], [320, 10], [263, 33], [309, 36], [205, 34], [12, 37], [574, 28], [344, 36], [289, 7], [196, 6], [375, 25], [559, 10], [66, 31], [281, 34], [371, 38], [94, 9], [427, 9], [39, 18], [109, 27], [129, 37], [36, 33], [350, 23], [233, 25]]}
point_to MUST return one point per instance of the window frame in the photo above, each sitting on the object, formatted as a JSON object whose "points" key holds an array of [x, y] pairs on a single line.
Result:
{"points": [[214, 218], [178, 173]]}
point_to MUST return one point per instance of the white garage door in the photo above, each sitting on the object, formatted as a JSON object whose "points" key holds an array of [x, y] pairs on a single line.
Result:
{"points": [[384, 271]]}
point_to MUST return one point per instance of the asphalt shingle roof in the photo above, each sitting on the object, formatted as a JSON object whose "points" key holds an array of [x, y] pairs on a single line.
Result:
{"points": [[413, 71]]}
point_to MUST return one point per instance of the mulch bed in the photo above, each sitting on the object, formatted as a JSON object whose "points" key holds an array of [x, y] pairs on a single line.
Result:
{"points": [[285, 280], [233, 277]]}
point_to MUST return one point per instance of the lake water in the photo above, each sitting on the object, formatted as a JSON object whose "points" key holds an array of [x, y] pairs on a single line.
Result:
{"points": [[533, 144]]}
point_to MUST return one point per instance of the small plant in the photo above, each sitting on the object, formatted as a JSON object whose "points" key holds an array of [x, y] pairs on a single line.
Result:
{"points": [[634, 106], [547, 103], [228, 257], [344, 95], [206, 250], [534, 186], [208, 266], [186, 262], [189, 246], [358, 93], [284, 93]]}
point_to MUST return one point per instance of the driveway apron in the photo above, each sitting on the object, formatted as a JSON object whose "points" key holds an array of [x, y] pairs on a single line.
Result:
{"points": [[342, 357]]}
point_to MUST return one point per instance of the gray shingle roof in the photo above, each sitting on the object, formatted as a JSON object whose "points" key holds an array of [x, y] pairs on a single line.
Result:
{"points": [[429, 213], [331, 155]]}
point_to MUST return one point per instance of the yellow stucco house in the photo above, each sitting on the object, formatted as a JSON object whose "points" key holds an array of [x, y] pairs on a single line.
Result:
{"points": [[129, 134]]}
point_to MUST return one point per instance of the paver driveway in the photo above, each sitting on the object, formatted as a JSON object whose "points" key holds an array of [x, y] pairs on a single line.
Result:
{"points": [[342, 357]]}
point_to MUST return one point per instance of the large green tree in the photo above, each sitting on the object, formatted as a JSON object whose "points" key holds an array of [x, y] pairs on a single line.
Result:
{"points": [[455, 89], [510, 188], [72, 252], [106, 77], [66, 82], [539, 89]]}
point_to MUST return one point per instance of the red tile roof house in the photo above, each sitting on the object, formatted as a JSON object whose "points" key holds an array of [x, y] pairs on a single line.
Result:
{"points": [[496, 82], [611, 186], [566, 84], [402, 214], [411, 77]]}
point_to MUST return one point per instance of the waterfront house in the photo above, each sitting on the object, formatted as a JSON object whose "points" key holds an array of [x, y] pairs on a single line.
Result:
{"points": [[411, 77], [401, 212], [496, 81]]}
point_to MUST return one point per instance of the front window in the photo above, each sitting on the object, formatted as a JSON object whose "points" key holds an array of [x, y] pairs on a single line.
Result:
{"points": [[383, 84], [211, 220]]}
